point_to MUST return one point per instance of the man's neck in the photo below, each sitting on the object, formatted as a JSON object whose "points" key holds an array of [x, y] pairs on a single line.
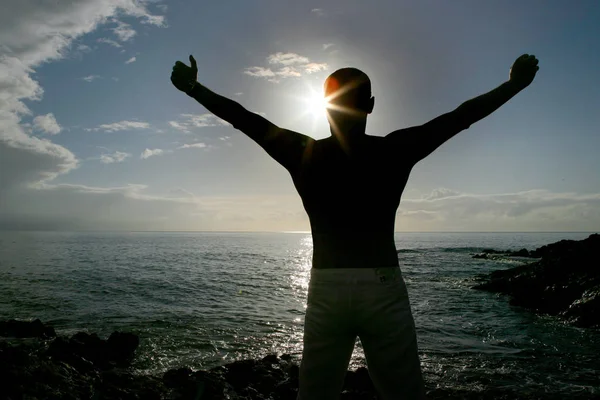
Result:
{"points": [[349, 132]]}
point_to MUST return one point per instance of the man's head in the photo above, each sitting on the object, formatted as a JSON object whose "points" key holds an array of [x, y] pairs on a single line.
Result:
{"points": [[348, 92]]}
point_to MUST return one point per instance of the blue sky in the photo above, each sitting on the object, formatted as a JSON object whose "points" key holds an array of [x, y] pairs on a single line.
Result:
{"points": [[94, 136]]}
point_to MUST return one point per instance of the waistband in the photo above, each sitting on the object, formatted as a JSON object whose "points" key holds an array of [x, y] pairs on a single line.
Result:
{"points": [[355, 275]]}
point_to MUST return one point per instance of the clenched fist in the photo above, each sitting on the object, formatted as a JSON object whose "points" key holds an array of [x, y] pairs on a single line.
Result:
{"points": [[523, 70], [183, 77]]}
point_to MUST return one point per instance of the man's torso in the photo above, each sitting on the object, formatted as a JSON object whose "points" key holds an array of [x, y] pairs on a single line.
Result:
{"points": [[351, 195]]}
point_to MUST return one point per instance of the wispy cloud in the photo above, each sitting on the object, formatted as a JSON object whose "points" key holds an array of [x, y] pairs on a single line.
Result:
{"points": [[123, 31], [151, 153], [287, 65], [131, 60], [194, 146], [315, 67], [179, 126], [528, 210], [115, 157], [190, 121], [109, 42], [46, 124], [259, 72], [84, 48], [319, 12], [287, 59], [91, 78], [121, 126], [327, 45], [238, 94]]}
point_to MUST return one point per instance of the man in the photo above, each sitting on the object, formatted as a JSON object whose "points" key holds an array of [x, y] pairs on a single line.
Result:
{"points": [[350, 184]]}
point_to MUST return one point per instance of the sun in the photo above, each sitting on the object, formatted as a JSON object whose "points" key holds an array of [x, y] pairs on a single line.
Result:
{"points": [[316, 104]]}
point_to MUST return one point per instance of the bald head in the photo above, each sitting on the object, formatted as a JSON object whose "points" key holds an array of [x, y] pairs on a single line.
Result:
{"points": [[349, 88]]}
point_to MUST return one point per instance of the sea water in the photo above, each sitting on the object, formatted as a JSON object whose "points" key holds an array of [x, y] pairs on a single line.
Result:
{"points": [[205, 299]]}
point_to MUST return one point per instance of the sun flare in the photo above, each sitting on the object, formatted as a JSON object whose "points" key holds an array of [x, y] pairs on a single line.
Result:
{"points": [[316, 104]]}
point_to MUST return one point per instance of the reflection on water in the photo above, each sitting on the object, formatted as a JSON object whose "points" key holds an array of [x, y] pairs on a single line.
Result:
{"points": [[202, 299]]}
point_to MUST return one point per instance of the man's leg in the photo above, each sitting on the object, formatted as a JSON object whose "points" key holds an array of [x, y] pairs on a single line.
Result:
{"points": [[387, 333], [329, 340]]}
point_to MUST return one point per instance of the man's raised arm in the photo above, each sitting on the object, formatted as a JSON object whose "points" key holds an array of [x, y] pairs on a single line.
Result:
{"points": [[285, 146], [420, 141]]}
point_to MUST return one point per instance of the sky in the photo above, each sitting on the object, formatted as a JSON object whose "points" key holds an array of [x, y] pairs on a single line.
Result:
{"points": [[93, 136]]}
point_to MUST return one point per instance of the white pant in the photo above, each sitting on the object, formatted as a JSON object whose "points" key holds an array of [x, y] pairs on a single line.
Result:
{"points": [[371, 303]]}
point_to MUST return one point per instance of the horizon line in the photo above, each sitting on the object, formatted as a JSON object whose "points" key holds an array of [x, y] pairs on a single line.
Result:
{"points": [[276, 231]]}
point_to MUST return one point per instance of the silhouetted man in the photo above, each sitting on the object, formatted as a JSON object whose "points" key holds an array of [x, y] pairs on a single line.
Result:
{"points": [[350, 184]]}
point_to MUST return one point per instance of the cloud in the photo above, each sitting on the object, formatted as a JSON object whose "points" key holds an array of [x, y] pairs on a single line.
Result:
{"points": [[34, 33], [238, 93], [110, 42], [289, 65], [116, 157], [131, 60], [179, 126], [538, 209], [84, 48], [151, 153], [315, 67], [287, 59], [121, 126], [442, 193], [319, 12], [194, 146], [190, 121], [327, 45], [259, 72], [46, 124], [123, 31], [134, 207], [288, 72], [91, 78]]}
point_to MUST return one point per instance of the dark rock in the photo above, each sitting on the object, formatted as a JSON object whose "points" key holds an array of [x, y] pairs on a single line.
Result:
{"points": [[177, 377], [492, 251], [585, 311], [122, 346], [271, 358], [29, 370], [87, 351], [26, 329], [520, 253], [565, 282], [481, 255]]}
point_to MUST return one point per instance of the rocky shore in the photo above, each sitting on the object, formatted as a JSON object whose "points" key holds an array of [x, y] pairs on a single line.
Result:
{"points": [[565, 282], [37, 364]]}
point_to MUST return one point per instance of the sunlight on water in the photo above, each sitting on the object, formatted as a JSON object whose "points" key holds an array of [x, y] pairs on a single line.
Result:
{"points": [[204, 299]]}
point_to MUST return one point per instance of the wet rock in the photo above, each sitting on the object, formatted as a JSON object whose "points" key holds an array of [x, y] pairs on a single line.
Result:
{"points": [[481, 255], [564, 283], [83, 349], [26, 329], [31, 370], [122, 346], [520, 253]]}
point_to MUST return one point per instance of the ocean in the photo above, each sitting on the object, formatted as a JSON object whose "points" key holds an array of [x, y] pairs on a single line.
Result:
{"points": [[205, 299]]}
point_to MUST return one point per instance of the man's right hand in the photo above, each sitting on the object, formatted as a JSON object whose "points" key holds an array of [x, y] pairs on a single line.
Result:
{"points": [[523, 70], [183, 76]]}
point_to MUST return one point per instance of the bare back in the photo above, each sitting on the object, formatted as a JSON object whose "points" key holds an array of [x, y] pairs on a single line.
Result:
{"points": [[351, 196]]}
